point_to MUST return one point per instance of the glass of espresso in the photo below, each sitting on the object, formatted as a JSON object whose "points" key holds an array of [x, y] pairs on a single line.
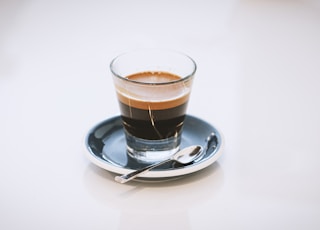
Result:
{"points": [[153, 88]]}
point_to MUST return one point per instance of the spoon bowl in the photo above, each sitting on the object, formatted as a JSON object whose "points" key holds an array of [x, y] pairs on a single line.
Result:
{"points": [[188, 154]]}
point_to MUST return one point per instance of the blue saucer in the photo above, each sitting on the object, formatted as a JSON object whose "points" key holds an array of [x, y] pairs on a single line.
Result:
{"points": [[106, 147]]}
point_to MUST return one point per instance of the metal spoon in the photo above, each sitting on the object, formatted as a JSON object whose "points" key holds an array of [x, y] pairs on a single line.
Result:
{"points": [[183, 156]]}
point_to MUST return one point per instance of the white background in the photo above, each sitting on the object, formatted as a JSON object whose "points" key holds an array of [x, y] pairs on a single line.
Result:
{"points": [[258, 81]]}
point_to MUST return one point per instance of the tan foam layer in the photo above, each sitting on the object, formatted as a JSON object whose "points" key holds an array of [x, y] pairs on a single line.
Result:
{"points": [[154, 77], [153, 105]]}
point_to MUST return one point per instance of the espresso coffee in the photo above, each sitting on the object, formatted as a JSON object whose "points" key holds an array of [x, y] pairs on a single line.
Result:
{"points": [[153, 113]]}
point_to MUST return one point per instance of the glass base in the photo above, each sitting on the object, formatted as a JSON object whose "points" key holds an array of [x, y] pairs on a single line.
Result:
{"points": [[152, 150]]}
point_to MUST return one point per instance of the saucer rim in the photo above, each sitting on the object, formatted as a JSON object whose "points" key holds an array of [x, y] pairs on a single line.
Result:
{"points": [[155, 174]]}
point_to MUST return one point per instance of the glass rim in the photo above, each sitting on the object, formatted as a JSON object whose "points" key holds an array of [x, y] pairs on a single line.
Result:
{"points": [[183, 78]]}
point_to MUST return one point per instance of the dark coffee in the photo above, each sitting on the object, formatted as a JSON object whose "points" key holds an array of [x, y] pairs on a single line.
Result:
{"points": [[154, 119]]}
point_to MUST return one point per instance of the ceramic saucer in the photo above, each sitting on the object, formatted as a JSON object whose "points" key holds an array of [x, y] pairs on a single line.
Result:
{"points": [[106, 147]]}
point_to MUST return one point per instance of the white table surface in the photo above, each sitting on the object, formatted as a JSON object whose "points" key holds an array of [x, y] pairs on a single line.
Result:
{"points": [[258, 81]]}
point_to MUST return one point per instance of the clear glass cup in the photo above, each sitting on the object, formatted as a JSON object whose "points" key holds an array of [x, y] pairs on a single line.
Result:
{"points": [[153, 89]]}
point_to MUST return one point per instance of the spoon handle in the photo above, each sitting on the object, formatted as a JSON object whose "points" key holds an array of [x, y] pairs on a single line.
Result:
{"points": [[127, 177]]}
